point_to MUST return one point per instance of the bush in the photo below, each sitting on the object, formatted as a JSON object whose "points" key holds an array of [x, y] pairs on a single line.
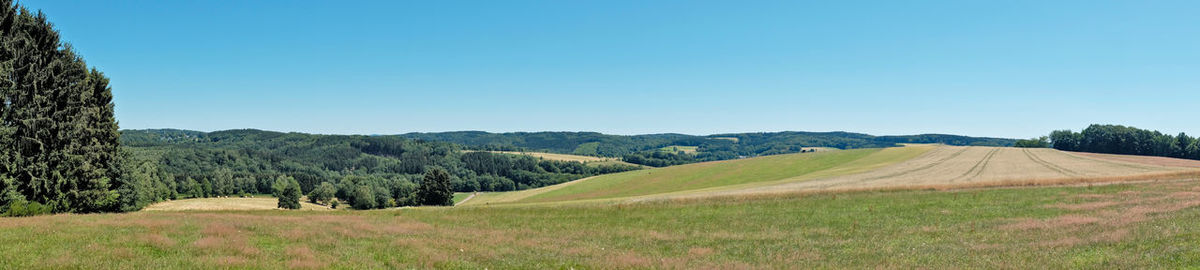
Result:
{"points": [[24, 208]]}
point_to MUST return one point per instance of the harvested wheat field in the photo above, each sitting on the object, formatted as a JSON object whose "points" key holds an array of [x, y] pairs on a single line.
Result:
{"points": [[590, 160], [966, 166], [212, 204], [1159, 161], [909, 167]]}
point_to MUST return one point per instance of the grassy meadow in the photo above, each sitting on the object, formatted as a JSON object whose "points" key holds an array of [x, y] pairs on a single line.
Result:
{"points": [[699, 177], [1146, 225]]}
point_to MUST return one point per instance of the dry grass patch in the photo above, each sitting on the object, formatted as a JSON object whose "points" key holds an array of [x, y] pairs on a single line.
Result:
{"points": [[228, 203]]}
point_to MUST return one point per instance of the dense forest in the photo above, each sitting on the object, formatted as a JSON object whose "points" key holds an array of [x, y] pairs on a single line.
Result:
{"points": [[234, 162], [645, 149], [1116, 139]]}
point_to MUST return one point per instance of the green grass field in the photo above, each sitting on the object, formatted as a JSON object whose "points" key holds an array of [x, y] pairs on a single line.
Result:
{"points": [[708, 176], [1150, 225], [460, 196]]}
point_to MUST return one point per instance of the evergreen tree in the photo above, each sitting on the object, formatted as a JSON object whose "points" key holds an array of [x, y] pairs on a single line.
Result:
{"points": [[435, 188], [60, 141]]}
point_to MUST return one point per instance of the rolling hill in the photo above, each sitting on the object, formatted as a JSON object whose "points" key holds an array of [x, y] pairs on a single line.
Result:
{"points": [[707, 148], [915, 166]]}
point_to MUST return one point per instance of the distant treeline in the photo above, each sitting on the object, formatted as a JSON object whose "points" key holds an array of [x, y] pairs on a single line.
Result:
{"points": [[1116, 139], [233, 162], [644, 149]]}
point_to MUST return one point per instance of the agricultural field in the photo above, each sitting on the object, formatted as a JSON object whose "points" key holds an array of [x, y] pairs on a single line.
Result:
{"points": [[723, 174], [1122, 226], [589, 160], [732, 139], [228, 203], [949, 166], [913, 166]]}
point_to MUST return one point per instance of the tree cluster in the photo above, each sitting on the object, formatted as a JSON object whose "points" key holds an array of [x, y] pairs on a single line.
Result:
{"points": [[1040, 142], [1116, 139], [659, 158]]}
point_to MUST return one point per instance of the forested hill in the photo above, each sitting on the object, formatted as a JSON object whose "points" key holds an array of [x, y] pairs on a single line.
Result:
{"points": [[244, 161], [723, 145]]}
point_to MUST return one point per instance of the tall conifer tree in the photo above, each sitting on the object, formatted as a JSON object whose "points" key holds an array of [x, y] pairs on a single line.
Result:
{"points": [[60, 139]]}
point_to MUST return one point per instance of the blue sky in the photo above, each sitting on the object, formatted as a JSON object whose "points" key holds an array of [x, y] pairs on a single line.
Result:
{"points": [[979, 68]]}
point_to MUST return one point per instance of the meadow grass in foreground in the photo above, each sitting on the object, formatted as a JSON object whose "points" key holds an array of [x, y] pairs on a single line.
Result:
{"points": [[1148, 225]]}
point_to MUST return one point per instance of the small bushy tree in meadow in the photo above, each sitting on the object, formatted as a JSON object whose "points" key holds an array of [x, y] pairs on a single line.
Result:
{"points": [[364, 198], [322, 194], [435, 188], [289, 197]]}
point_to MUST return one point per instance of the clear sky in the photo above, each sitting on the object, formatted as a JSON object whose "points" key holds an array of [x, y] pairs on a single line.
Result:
{"points": [[979, 68]]}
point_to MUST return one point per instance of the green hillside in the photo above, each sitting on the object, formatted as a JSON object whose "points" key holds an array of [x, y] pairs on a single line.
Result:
{"points": [[708, 176]]}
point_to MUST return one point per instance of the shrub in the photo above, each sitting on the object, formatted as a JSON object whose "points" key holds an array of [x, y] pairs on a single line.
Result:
{"points": [[23, 208]]}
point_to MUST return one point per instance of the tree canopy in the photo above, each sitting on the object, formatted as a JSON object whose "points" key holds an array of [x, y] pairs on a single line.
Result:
{"points": [[1117, 139]]}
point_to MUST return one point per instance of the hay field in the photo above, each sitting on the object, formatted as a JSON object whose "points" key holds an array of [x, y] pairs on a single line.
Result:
{"points": [[969, 166], [909, 167], [211, 204], [1159, 161], [590, 160]]}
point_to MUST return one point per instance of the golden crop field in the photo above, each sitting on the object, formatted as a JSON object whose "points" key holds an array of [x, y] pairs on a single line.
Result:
{"points": [[910, 167], [211, 204]]}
